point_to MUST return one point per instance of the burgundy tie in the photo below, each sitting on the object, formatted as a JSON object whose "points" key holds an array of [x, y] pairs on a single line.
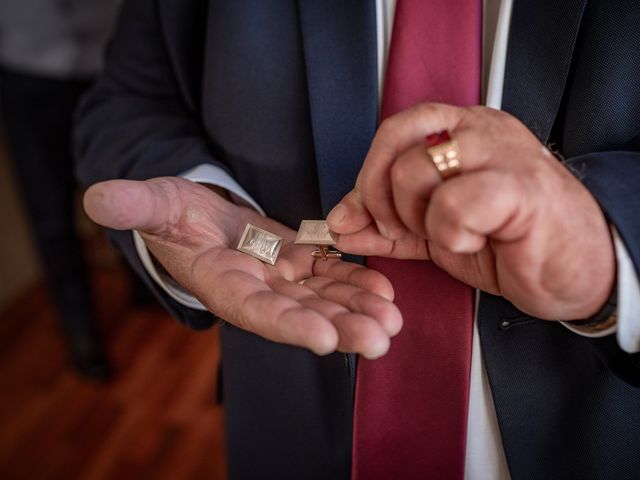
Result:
{"points": [[411, 405]]}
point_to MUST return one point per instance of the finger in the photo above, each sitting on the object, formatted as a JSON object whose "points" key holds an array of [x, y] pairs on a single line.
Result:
{"points": [[371, 320], [477, 269], [366, 242], [357, 332], [306, 296], [413, 178], [369, 242], [295, 262], [350, 215], [360, 334], [324, 307], [251, 304], [395, 135], [355, 275], [465, 210], [358, 300], [128, 204]]}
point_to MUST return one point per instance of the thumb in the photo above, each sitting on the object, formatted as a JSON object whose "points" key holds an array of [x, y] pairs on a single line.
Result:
{"points": [[350, 215], [128, 204]]}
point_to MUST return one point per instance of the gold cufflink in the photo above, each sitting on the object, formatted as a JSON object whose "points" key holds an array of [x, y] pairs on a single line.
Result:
{"points": [[316, 232]]}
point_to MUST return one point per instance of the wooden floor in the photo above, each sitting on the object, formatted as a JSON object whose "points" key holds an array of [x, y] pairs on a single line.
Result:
{"points": [[155, 420]]}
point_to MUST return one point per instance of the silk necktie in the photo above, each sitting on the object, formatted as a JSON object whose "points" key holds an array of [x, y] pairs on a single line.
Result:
{"points": [[411, 405]]}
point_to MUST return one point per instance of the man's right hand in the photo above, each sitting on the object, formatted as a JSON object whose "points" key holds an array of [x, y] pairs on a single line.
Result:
{"points": [[192, 231]]}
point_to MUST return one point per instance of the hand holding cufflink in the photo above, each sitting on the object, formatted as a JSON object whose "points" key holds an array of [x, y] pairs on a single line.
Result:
{"points": [[194, 232], [476, 192]]}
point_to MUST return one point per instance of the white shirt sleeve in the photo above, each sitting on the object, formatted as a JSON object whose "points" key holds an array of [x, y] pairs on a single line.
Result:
{"points": [[204, 173], [628, 300], [628, 325]]}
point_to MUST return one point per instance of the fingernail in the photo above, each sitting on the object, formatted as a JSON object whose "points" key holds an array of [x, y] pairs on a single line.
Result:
{"points": [[337, 215], [463, 244], [382, 229], [378, 349]]}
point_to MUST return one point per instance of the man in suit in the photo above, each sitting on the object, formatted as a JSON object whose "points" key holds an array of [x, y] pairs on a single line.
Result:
{"points": [[248, 97]]}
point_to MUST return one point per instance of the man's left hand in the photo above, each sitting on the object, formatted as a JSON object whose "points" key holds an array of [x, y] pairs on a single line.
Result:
{"points": [[514, 223]]}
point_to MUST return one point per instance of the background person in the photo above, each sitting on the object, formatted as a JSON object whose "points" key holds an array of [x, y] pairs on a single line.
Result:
{"points": [[50, 52]]}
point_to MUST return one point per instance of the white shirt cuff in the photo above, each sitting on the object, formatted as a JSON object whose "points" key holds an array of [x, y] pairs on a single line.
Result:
{"points": [[628, 299], [628, 325], [204, 173]]}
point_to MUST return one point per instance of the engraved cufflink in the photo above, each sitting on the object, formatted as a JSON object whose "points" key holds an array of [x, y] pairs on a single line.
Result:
{"points": [[260, 244], [316, 232]]}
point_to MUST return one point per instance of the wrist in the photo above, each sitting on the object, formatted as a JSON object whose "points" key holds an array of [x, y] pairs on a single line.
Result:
{"points": [[605, 319]]}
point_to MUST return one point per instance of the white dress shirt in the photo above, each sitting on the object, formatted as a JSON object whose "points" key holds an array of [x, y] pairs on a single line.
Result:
{"points": [[485, 458]]}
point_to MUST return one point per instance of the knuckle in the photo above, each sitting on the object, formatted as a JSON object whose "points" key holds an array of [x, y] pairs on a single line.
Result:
{"points": [[426, 108], [368, 193], [470, 113], [447, 203], [506, 117], [445, 235], [400, 173], [166, 185], [509, 122], [386, 128], [478, 109]]}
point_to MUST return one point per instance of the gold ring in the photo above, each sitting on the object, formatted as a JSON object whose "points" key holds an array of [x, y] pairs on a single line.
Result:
{"points": [[444, 153]]}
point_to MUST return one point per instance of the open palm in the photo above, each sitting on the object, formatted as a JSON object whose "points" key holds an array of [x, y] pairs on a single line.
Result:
{"points": [[192, 231]]}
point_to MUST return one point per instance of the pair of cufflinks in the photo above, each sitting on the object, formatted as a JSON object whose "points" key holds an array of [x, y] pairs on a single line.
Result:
{"points": [[265, 246]]}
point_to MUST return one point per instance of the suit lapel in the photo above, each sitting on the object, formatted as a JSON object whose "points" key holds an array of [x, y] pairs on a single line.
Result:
{"points": [[541, 42], [339, 39]]}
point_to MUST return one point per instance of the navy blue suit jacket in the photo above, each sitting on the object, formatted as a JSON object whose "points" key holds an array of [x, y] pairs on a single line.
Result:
{"points": [[283, 95]]}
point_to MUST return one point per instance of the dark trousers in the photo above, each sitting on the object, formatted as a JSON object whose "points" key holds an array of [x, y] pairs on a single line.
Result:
{"points": [[38, 114]]}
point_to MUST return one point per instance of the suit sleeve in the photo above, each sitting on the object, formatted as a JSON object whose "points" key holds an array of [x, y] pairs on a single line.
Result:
{"points": [[614, 180], [135, 124]]}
